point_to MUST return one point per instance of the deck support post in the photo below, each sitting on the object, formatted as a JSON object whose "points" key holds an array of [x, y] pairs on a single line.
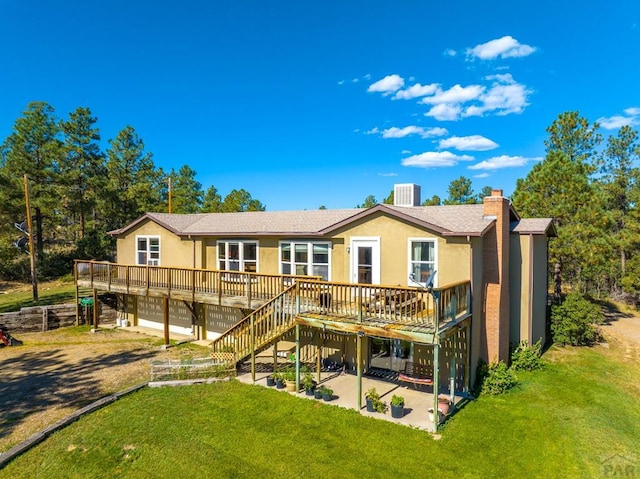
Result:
{"points": [[359, 367], [95, 309], [452, 371], [165, 317], [467, 360], [297, 357], [319, 356], [436, 386], [253, 347], [75, 277], [275, 356]]}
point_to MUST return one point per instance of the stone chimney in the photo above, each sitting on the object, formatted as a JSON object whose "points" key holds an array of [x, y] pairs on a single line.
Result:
{"points": [[406, 194], [495, 325]]}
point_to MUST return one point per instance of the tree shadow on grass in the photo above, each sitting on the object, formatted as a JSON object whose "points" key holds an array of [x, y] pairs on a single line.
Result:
{"points": [[38, 380]]}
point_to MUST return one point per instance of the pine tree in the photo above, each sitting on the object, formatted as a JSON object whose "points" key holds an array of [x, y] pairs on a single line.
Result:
{"points": [[212, 202], [33, 148], [186, 191], [82, 172], [133, 182]]}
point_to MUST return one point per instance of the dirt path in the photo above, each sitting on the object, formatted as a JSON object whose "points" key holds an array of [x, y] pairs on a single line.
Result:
{"points": [[56, 373], [623, 328]]}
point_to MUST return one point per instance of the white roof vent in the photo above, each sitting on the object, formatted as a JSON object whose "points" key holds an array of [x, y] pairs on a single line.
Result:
{"points": [[406, 194]]}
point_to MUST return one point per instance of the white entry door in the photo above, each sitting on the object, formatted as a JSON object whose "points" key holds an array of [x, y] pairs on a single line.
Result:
{"points": [[365, 260]]}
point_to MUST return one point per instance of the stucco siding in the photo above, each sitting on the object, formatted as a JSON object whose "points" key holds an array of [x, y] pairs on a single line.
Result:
{"points": [[519, 290], [540, 287], [174, 251]]}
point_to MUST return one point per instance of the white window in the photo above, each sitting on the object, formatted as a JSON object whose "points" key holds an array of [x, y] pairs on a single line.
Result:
{"points": [[305, 258], [238, 256], [422, 259], [148, 250]]}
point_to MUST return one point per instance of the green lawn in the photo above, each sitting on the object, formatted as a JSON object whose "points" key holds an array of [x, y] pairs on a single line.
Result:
{"points": [[47, 294], [562, 422]]}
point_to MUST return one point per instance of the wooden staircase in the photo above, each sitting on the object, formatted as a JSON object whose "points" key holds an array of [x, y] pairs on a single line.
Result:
{"points": [[258, 330]]}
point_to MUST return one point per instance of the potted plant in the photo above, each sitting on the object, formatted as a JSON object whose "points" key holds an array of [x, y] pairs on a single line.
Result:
{"points": [[444, 404], [279, 379], [271, 380], [308, 383], [397, 406], [317, 393], [371, 396], [289, 376], [327, 393]]}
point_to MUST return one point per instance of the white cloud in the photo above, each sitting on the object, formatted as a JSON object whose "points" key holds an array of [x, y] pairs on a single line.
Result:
{"points": [[341, 82], [503, 161], [355, 80], [455, 94], [481, 175], [450, 52], [405, 152], [387, 174], [387, 85], [435, 159], [468, 143], [415, 91], [618, 121], [505, 47], [504, 97], [444, 112], [395, 132], [367, 76]]}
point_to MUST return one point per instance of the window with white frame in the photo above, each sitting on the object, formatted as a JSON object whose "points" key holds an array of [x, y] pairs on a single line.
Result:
{"points": [[422, 259], [238, 256], [148, 250], [305, 258]]}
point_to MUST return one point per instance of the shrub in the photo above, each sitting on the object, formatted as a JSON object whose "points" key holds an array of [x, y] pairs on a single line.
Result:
{"points": [[499, 379], [527, 358], [574, 321]]}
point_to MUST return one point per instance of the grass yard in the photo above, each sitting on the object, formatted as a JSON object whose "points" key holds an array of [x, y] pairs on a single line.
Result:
{"points": [[17, 295], [562, 422]]}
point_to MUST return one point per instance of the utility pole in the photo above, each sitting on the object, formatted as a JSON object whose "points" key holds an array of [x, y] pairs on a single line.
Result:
{"points": [[32, 251], [169, 179]]}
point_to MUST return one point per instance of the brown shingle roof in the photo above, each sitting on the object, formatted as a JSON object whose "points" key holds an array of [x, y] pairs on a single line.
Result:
{"points": [[453, 220], [534, 226]]}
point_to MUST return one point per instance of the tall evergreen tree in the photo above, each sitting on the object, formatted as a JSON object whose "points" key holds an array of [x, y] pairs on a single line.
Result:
{"points": [[620, 184], [572, 135], [186, 191], [133, 182], [34, 148], [212, 202], [433, 201], [559, 187], [460, 192], [82, 172], [241, 200]]}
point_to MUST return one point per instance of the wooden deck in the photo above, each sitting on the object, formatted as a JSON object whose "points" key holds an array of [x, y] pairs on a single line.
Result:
{"points": [[385, 311]]}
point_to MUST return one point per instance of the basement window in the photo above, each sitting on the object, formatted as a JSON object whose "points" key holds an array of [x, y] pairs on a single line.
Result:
{"points": [[148, 250]]}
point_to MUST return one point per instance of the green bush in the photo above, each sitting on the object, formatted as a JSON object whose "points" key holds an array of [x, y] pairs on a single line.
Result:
{"points": [[574, 321], [499, 379], [527, 358]]}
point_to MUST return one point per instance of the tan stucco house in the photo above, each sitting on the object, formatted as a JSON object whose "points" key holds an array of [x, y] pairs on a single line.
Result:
{"points": [[489, 289]]}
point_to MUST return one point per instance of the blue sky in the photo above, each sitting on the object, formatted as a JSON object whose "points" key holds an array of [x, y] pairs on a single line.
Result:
{"points": [[323, 103]]}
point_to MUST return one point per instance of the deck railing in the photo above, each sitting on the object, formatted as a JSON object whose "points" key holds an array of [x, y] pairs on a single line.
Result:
{"points": [[365, 304], [385, 304], [165, 280]]}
